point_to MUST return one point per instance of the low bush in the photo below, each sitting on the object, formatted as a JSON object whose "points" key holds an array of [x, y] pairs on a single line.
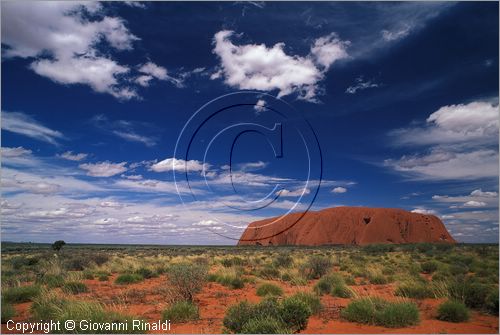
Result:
{"points": [[382, 313], [429, 267], [376, 249], [51, 280], [238, 315], [74, 287], [269, 272], [289, 315], [146, 273], [312, 300], [295, 313], [265, 325], [103, 277], [452, 311], [187, 279], [49, 306], [181, 311], [234, 261], [397, 315], [471, 293], [283, 261], [269, 289], [128, 278], [492, 302], [88, 275], [317, 266], [20, 294], [232, 281], [333, 284], [377, 279]]}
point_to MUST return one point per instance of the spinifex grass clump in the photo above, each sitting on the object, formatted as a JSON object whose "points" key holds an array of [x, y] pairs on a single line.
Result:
{"points": [[229, 277], [269, 316], [269, 289], [312, 300], [333, 284], [49, 306], [181, 311], [382, 313], [472, 293], [453, 311], [415, 289], [74, 287], [128, 278], [20, 294], [429, 267]]}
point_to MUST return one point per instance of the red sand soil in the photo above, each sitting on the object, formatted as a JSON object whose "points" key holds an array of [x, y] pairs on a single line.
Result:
{"points": [[146, 300], [347, 225]]}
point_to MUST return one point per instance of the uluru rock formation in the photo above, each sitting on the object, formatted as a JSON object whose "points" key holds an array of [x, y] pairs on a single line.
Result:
{"points": [[347, 225]]}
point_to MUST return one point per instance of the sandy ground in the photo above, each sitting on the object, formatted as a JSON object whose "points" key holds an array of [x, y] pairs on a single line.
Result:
{"points": [[145, 300]]}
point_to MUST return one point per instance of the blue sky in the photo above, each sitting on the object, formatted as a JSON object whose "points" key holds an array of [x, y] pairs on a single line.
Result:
{"points": [[402, 98]]}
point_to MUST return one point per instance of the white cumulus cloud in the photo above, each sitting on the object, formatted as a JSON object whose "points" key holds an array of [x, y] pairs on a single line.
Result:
{"points": [[339, 189], [69, 155], [258, 67], [174, 164], [104, 169]]}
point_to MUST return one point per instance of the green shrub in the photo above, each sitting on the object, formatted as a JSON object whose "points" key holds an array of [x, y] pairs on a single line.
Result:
{"points": [[234, 282], [51, 307], [459, 269], [103, 277], [20, 294], [311, 299], [397, 315], [187, 279], [74, 287], [237, 315], [88, 275], [414, 290], [51, 280], [492, 302], [468, 291], [382, 313], [234, 261], [8, 312], [128, 278], [146, 273], [283, 261], [429, 267], [265, 325], [361, 310], [295, 313], [452, 311], [182, 311], [333, 284], [376, 249], [269, 272], [377, 279], [316, 266], [290, 315], [269, 289]]}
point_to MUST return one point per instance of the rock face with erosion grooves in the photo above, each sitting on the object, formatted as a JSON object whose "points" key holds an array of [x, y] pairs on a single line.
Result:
{"points": [[348, 225]]}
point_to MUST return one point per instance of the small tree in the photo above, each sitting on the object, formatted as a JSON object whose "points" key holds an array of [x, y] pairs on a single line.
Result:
{"points": [[57, 245]]}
